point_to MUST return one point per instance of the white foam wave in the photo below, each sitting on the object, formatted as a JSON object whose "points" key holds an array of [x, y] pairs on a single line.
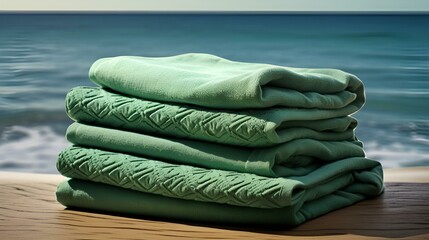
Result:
{"points": [[419, 139], [35, 151], [395, 154]]}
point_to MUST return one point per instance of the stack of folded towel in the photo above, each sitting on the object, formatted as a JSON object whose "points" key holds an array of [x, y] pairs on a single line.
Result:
{"points": [[198, 137]]}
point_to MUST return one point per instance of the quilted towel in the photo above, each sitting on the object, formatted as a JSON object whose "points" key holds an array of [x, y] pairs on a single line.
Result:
{"points": [[211, 81], [253, 128], [103, 197], [358, 176], [294, 158]]}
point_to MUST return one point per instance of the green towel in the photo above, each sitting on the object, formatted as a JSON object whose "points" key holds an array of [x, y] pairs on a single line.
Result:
{"points": [[198, 137], [295, 158], [264, 127], [98, 196], [354, 175], [211, 81]]}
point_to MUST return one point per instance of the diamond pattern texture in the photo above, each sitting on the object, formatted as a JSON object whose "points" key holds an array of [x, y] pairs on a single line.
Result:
{"points": [[210, 185], [99, 107]]}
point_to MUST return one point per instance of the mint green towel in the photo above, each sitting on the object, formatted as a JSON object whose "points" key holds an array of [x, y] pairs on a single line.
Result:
{"points": [[354, 175], [294, 158], [264, 127], [103, 197], [211, 81]]}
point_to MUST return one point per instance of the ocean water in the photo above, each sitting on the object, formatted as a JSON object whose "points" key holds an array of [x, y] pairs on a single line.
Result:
{"points": [[43, 56]]}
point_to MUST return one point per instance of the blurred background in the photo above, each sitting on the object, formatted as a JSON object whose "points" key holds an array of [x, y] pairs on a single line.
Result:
{"points": [[43, 55]]}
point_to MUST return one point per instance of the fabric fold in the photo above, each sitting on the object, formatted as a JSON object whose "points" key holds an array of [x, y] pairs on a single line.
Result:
{"points": [[211, 185], [252, 128], [294, 158], [211, 81], [103, 197]]}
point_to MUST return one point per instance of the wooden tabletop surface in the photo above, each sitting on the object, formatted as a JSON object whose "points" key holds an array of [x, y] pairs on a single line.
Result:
{"points": [[28, 210]]}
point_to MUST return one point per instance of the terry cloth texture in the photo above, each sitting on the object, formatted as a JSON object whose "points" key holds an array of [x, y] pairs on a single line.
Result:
{"points": [[297, 157], [197, 137], [211, 81]]}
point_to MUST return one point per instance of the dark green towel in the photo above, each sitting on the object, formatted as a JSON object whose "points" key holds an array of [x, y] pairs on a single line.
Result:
{"points": [[265, 127], [211, 81], [298, 157]]}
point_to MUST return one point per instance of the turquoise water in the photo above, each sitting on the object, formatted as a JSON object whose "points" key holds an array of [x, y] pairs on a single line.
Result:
{"points": [[43, 56]]}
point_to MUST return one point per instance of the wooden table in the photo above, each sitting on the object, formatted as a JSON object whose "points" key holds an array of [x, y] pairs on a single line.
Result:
{"points": [[28, 210]]}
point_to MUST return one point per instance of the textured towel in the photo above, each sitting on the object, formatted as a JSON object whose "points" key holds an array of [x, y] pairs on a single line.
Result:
{"points": [[211, 81], [265, 127], [295, 158], [199, 137], [97, 196], [353, 175]]}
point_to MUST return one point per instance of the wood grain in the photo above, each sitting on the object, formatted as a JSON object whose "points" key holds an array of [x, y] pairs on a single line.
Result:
{"points": [[28, 210]]}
